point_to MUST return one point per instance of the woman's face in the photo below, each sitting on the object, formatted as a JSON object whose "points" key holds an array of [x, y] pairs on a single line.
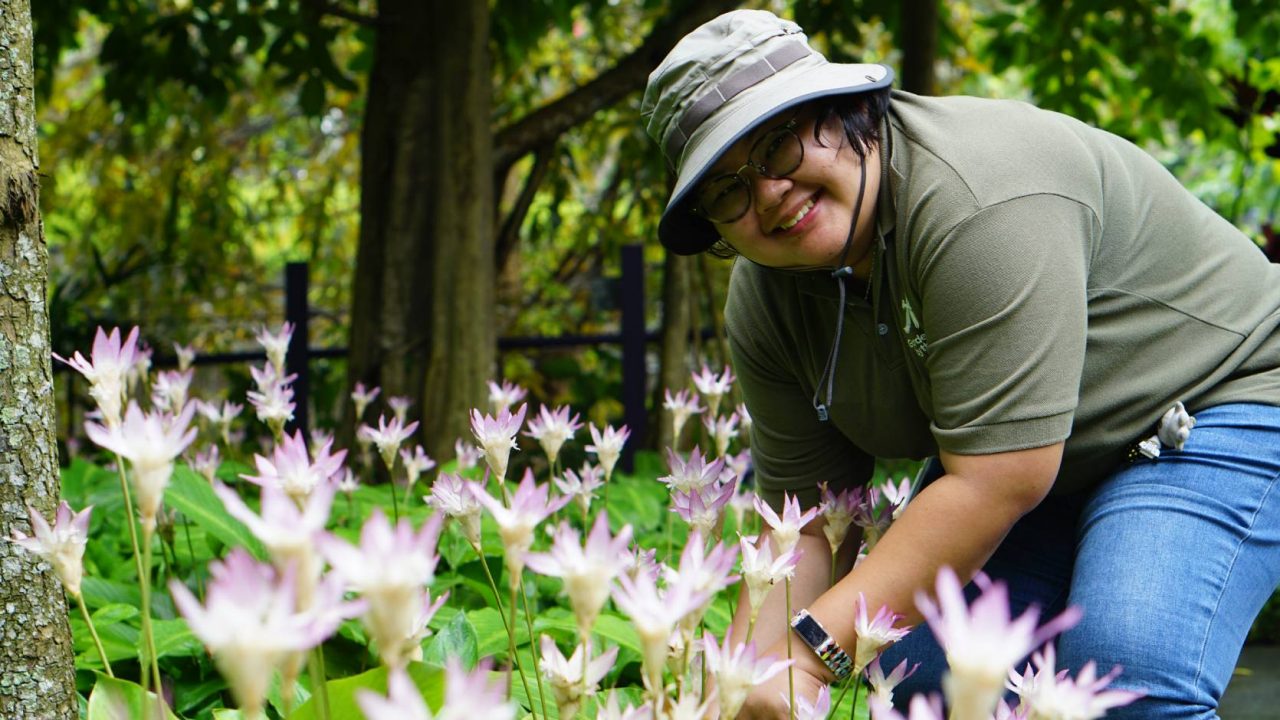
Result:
{"points": [[802, 220]]}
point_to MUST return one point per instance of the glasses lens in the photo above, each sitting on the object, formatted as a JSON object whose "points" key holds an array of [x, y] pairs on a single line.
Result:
{"points": [[779, 153], [725, 199]]}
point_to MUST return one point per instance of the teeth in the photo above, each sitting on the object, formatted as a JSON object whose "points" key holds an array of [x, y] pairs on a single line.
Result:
{"points": [[787, 225]]}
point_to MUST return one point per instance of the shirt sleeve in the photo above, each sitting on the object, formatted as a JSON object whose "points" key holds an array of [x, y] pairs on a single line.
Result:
{"points": [[791, 450], [1004, 309]]}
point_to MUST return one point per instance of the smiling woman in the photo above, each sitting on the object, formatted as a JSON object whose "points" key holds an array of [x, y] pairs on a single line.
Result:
{"points": [[1042, 307]]}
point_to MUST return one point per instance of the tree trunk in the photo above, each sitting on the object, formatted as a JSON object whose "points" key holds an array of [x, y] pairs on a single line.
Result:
{"points": [[919, 24], [37, 662], [423, 300], [677, 288]]}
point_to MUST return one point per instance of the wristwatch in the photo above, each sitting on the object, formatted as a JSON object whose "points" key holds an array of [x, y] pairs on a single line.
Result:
{"points": [[822, 644]]}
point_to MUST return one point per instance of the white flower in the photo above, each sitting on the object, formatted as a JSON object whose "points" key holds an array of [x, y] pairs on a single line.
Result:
{"points": [[761, 571], [451, 496], [502, 397], [552, 428], [150, 441], [738, 669], [108, 371], [681, 406], [786, 529], [292, 468], [588, 571], [607, 446], [277, 345], [388, 436], [1051, 695], [497, 435], [529, 506], [873, 633], [61, 545], [565, 675]]}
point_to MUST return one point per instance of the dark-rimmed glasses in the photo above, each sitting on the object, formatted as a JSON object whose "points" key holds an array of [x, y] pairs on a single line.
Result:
{"points": [[776, 154]]}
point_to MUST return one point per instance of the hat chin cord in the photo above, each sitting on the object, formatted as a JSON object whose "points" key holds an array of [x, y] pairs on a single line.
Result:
{"points": [[841, 272]]}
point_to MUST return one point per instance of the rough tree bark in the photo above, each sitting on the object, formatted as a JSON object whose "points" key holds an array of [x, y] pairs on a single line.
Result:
{"points": [[919, 23], [423, 308], [674, 365], [37, 663]]}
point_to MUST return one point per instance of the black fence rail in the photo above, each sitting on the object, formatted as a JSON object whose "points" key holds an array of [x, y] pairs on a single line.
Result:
{"points": [[633, 337]]}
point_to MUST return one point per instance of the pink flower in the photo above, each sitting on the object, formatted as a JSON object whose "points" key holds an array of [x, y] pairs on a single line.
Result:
{"points": [[287, 529], [723, 429], [415, 463], [451, 496], [981, 642], [390, 569], [588, 570], [502, 397], [473, 695], [400, 405], [220, 416], [552, 428], [874, 633], [760, 571], [1051, 694], [703, 507], [361, 398], [277, 345], [923, 707], [108, 371], [402, 702], [744, 417], [582, 486], [292, 469], [207, 462], [704, 573], [838, 511], [151, 442], [497, 436], [169, 391], [712, 386], [250, 622], [786, 529], [607, 446], [654, 614], [61, 545], [738, 669], [388, 437], [273, 400], [566, 674], [468, 455], [682, 405], [691, 474], [897, 495], [529, 507], [881, 685], [816, 710]]}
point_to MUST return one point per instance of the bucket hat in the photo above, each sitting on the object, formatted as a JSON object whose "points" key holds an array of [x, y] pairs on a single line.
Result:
{"points": [[716, 85]]}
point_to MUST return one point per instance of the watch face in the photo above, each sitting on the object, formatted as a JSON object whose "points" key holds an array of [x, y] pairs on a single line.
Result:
{"points": [[809, 631]]}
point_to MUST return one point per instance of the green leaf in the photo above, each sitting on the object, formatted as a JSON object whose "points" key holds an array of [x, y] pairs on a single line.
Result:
{"points": [[491, 633], [228, 714], [611, 627], [342, 693], [192, 495], [116, 699], [456, 640], [113, 613], [174, 639]]}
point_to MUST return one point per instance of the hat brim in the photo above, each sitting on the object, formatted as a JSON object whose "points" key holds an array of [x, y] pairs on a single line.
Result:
{"points": [[684, 233]]}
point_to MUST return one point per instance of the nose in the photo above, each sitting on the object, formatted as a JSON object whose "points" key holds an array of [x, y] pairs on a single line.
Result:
{"points": [[768, 192]]}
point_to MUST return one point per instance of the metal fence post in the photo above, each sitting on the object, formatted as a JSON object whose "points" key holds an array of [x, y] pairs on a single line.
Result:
{"points": [[631, 289], [298, 359]]}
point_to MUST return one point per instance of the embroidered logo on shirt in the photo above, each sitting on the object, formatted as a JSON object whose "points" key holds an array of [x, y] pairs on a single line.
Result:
{"points": [[917, 341]]}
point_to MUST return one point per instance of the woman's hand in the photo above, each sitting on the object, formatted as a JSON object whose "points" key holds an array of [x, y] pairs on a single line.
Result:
{"points": [[768, 701]]}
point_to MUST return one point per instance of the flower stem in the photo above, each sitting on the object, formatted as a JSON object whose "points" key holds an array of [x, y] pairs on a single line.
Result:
{"points": [[791, 675], [315, 668], [510, 627], [128, 511], [855, 681], [515, 658], [97, 641], [395, 504], [751, 625], [528, 618], [148, 637], [833, 567]]}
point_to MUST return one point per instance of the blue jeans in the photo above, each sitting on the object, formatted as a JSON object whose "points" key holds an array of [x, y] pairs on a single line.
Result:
{"points": [[1171, 560]]}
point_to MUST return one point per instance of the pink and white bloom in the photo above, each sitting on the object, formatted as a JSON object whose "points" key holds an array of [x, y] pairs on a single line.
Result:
{"points": [[705, 573], [566, 674], [137, 372], [607, 445], [1051, 695], [276, 345], [655, 614], [287, 527], [503, 397], [108, 370], [897, 495], [402, 701], [250, 622], [390, 569], [150, 442], [292, 468], [468, 455], [186, 355], [61, 545], [415, 462], [552, 428], [981, 642], [220, 416], [870, 516], [400, 405], [611, 711], [451, 496], [346, 481], [581, 486], [529, 507], [723, 429], [838, 511], [207, 462], [712, 386], [761, 571], [874, 632], [497, 436], [387, 437], [682, 406], [738, 669], [273, 400], [815, 710], [785, 529], [744, 419], [588, 570], [472, 695], [691, 474], [922, 707], [882, 685], [361, 398], [169, 390], [703, 508]]}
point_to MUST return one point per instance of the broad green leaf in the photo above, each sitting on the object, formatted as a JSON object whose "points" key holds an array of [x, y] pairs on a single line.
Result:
{"points": [[192, 495], [608, 626], [456, 640], [228, 714], [491, 633], [190, 696], [116, 699], [342, 693], [113, 613]]}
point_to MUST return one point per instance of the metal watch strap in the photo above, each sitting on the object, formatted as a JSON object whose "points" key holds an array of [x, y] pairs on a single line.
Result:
{"points": [[822, 644]]}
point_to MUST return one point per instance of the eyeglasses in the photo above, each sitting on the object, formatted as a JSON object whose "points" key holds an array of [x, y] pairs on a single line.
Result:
{"points": [[776, 154]]}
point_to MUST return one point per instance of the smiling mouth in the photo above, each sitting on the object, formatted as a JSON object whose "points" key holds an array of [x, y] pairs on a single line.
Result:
{"points": [[801, 214]]}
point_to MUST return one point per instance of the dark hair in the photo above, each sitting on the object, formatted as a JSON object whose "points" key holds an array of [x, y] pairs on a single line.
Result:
{"points": [[859, 113]]}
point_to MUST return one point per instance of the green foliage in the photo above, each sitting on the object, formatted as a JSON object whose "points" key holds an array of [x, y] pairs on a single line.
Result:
{"points": [[116, 699], [342, 693]]}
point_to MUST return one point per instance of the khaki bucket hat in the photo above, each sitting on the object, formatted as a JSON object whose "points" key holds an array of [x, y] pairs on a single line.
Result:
{"points": [[716, 85]]}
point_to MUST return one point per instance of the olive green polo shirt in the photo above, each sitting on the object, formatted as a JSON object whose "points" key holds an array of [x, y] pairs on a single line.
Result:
{"points": [[1037, 280]]}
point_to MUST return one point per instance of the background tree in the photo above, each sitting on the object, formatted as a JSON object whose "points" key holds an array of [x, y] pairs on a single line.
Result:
{"points": [[36, 658]]}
